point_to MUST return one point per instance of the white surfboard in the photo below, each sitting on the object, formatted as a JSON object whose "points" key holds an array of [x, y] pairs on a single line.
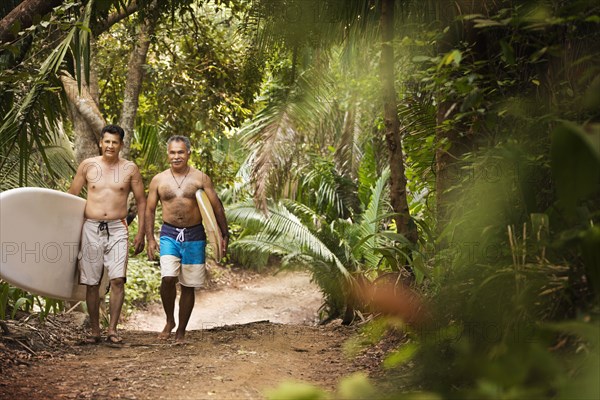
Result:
{"points": [[40, 232], [213, 232]]}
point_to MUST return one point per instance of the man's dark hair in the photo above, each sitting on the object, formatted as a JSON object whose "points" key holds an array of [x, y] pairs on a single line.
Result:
{"points": [[179, 138], [114, 129]]}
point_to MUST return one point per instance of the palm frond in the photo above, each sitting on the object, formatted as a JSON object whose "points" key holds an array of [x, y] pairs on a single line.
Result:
{"points": [[321, 186], [264, 245], [153, 147], [348, 152], [276, 134], [367, 174], [270, 140], [59, 160], [417, 116], [246, 215], [325, 188], [284, 230], [377, 205], [33, 121], [371, 221], [305, 23], [309, 217]]}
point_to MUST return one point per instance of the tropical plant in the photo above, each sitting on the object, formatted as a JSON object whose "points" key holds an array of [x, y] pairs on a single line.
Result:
{"points": [[143, 285], [337, 250], [32, 120], [15, 300]]}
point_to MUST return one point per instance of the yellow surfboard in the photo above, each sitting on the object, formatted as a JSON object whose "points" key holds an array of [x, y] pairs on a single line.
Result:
{"points": [[213, 233]]}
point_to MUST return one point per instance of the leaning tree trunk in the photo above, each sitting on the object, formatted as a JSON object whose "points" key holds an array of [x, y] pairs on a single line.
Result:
{"points": [[398, 196], [135, 77], [85, 114], [84, 104]]}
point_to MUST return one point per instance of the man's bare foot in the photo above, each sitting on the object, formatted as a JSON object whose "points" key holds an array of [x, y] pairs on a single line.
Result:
{"points": [[180, 338], [113, 338], [92, 339], [166, 332]]}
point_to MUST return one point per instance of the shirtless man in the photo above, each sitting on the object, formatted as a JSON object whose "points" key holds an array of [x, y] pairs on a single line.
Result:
{"points": [[182, 236], [104, 238]]}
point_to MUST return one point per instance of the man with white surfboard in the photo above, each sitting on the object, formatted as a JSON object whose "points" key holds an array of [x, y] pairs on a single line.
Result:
{"points": [[182, 235], [104, 237]]}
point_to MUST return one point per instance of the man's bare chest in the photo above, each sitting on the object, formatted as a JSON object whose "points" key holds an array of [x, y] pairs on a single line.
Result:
{"points": [[168, 191], [108, 178]]}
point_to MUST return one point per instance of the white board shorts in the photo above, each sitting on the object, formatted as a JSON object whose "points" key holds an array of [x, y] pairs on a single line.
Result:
{"points": [[103, 244]]}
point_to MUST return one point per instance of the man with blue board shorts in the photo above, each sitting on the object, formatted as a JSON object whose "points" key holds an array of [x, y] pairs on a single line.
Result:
{"points": [[104, 239], [182, 236]]}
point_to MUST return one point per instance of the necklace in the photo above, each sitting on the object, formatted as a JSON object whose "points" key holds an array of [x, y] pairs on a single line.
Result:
{"points": [[175, 179]]}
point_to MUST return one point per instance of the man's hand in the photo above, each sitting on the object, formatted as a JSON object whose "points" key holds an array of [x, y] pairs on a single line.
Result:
{"points": [[152, 249], [138, 243]]}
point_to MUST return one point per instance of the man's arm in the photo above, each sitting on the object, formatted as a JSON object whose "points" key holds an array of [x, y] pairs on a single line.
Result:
{"points": [[219, 211], [79, 179], [150, 215], [137, 186]]}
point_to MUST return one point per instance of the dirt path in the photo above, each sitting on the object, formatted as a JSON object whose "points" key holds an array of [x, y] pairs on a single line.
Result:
{"points": [[286, 298], [228, 355]]}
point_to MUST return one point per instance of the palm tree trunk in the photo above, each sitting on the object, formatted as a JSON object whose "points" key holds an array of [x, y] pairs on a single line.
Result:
{"points": [[85, 114], [398, 196], [83, 102]]}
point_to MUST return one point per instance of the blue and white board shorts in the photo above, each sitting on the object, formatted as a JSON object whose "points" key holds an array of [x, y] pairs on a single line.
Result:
{"points": [[183, 254]]}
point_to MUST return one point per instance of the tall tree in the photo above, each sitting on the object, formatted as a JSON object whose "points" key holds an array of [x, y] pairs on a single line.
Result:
{"points": [[314, 27], [135, 77], [398, 195]]}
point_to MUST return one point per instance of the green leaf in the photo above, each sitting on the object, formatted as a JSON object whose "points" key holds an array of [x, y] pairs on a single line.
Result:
{"points": [[418, 59], [18, 304], [593, 18], [468, 17], [452, 57], [356, 386], [4, 289], [486, 23], [399, 357], [508, 53], [538, 54], [296, 391], [590, 251], [589, 331], [575, 159], [472, 100], [418, 266]]}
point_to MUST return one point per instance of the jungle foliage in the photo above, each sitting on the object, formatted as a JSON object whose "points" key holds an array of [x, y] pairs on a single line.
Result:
{"points": [[499, 121]]}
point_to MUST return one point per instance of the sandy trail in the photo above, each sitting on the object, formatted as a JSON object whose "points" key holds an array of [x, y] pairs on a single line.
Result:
{"points": [[285, 298]]}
